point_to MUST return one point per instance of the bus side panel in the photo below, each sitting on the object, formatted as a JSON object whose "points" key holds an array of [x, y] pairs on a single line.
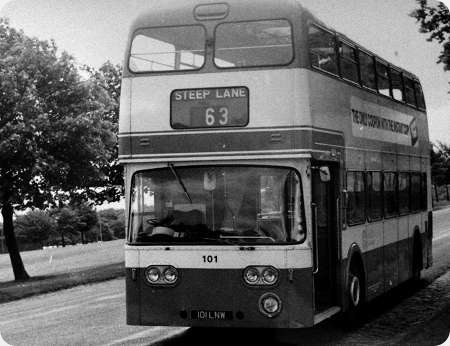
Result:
{"points": [[392, 230], [133, 303], [404, 260], [224, 290]]}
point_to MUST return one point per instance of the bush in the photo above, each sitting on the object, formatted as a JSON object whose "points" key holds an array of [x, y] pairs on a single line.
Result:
{"points": [[113, 220], [34, 228]]}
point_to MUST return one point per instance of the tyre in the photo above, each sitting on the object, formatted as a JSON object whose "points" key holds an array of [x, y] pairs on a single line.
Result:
{"points": [[355, 296]]}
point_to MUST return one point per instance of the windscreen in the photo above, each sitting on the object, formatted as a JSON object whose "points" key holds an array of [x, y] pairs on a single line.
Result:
{"points": [[216, 205], [257, 43], [168, 49]]}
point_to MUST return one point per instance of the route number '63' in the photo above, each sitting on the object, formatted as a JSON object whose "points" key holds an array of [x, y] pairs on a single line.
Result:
{"points": [[213, 115]]}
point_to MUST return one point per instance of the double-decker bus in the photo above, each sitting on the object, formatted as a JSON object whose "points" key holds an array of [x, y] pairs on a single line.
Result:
{"points": [[277, 172]]}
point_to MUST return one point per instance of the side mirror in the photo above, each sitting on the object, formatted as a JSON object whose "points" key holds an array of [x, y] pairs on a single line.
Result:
{"points": [[209, 181], [325, 175]]}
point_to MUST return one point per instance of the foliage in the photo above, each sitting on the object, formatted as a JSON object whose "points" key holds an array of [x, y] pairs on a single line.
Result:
{"points": [[107, 81], [57, 137], [35, 227], [114, 221], [435, 20], [440, 164], [75, 221]]}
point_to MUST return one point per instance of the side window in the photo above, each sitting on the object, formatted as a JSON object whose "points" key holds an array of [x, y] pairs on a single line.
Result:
{"points": [[356, 200], [409, 92], [383, 78], [322, 49], [374, 196], [415, 192], [390, 194], [419, 95], [348, 62], [367, 67], [403, 192], [423, 192], [397, 85]]}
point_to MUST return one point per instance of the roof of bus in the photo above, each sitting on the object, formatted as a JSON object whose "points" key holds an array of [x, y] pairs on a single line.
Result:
{"points": [[170, 12], [176, 12]]}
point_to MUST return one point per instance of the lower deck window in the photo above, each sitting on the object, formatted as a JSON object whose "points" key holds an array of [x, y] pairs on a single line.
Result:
{"points": [[216, 205], [403, 193], [356, 198], [374, 196], [390, 194]]}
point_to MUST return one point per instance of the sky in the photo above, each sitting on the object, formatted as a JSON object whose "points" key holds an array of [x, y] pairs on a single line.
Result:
{"points": [[94, 31]]}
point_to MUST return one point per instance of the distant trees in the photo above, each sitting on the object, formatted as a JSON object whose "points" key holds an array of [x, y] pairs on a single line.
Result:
{"points": [[35, 228], [68, 225], [440, 168], [58, 139]]}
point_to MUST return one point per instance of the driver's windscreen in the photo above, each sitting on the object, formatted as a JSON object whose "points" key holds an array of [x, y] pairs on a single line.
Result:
{"points": [[218, 205]]}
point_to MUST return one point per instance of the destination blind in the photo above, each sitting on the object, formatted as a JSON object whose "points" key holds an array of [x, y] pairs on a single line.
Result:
{"points": [[209, 107]]}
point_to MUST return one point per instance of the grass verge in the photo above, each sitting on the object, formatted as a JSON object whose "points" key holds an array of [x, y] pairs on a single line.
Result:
{"points": [[13, 290]]}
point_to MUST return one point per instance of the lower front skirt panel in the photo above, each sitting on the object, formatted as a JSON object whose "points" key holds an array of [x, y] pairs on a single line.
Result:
{"points": [[219, 290]]}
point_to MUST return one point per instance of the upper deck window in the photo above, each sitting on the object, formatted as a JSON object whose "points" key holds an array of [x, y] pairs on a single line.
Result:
{"points": [[419, 95], [250, 44], [168, 49], [367, 70], [397, 85], [322, 49], [384, 86], [409, 91], [348, 62]]}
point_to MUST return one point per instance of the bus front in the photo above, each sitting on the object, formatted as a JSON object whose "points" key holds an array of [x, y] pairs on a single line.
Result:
{"points": [[216, 139]]}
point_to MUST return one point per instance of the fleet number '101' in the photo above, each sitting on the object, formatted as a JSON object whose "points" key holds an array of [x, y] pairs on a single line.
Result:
{"points": [[209, 259]]}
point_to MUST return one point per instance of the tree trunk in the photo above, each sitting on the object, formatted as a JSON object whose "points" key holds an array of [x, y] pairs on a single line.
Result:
{"points": [[448, 196], [11, 243], [63, 243], [83, 240], [436, 192]]}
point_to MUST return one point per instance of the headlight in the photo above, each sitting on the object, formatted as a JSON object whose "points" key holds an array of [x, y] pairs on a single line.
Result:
{"points": [[170, 275], [260, 275], [251, 275], [152, 274], [270, 304], [270, 275]]}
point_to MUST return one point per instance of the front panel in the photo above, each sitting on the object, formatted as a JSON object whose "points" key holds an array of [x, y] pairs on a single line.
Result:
{"points": [[211, 291]]}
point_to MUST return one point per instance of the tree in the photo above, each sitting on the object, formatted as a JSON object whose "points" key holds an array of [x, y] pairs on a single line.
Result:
{"points": [[56, 145], [35, 227], [107, 81], [66, 221], [86, 219], [114, 221], [435, 20], [440, 167]]}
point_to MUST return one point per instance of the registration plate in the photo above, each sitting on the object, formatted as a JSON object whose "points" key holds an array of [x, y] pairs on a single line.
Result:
{"points": [[211, 315]]}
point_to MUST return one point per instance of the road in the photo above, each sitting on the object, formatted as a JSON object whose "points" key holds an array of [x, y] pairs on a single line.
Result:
{"points": [[95, 315]]}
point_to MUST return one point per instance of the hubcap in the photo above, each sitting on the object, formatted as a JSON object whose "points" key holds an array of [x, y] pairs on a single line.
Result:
{"points": [[355, 290]]}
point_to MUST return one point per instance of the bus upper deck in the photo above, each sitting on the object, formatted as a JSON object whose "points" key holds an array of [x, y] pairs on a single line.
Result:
{"points": [[171, 92]]}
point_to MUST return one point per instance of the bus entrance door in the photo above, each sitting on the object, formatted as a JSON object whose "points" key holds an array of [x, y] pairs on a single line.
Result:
{"points": [[324, 182]]}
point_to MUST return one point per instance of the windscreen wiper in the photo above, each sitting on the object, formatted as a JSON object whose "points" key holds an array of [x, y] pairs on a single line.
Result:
{"points": [[172, 168]]}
